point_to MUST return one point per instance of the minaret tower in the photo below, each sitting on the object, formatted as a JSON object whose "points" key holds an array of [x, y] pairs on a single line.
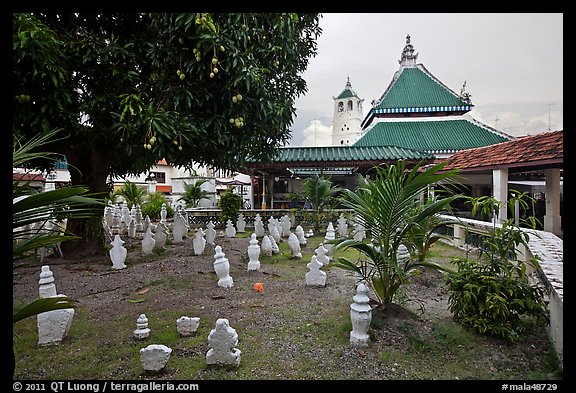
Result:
{"points": [[347, 117]]}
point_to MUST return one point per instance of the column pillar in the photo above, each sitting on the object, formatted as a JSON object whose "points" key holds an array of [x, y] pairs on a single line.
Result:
{"points": [[552, 219], [500, 192]]}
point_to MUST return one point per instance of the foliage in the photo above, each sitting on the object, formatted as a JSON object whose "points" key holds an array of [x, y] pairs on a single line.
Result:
{"points": [[131, 193], [230, 204], [194, 193], [385, 207], [492, 294], [320, 196], [152, 206]]}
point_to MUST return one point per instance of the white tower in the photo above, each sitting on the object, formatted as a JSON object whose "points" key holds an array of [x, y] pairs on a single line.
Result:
{"points": [[348, 116]]}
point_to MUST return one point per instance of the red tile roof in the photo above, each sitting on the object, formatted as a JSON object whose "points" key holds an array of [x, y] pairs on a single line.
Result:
{"points": [[538, 149], [27, 177]]}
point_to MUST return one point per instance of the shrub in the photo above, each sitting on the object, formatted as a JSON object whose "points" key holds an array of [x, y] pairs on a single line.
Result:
{"points": [[153, 205], [230, 204]]}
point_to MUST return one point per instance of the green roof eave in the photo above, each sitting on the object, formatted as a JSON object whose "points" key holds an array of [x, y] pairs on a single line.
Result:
{"points": [[346, 93]]}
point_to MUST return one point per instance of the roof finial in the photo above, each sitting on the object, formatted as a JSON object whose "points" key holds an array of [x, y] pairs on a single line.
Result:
{"points": [[407, 57], [348, 84]]}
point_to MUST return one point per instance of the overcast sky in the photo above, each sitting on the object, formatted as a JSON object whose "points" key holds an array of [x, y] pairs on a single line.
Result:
{"points": [[512, 64]]}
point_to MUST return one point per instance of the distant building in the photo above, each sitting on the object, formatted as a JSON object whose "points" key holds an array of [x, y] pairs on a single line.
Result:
{"points": [[348, 114]]}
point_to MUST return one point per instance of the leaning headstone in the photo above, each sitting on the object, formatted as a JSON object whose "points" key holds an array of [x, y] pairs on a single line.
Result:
{"points": [[142, 330], [259, 226], [274, 232], [222, 268], [300, 235], [148, 242], [241, 223], [361, 316], [210, 233], [342, 226], [322, 255], [179, 228], [222, 341], [53, 325], [294, 246], [266, 246], [275, 248], [230, 230], [199, 243], [160, 236], [253, 253], [118, 253], [315, 276], [155, 357], [187, 326]]}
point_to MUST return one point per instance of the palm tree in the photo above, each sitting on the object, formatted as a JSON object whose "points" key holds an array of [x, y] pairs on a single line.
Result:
{"points": [[385, 207], [319, 195], [193, 193], [131, 193], [30, 208]]}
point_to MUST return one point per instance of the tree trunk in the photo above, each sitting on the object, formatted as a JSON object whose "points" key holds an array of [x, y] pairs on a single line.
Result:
{"points": [[88, 169]]}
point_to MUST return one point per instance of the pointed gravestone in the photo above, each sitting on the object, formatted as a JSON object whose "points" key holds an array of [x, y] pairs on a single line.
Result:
{"points": [[222, 342], [179, 228], [294, 246], [361, 316], [342, 226], [132, 228], [330, 235], [315, 277], [259, 226], [163, 213], [138, 217], [253, 253], [199, 243], [115, 228], [266, 246], [300, 235], [274, 232], [146, 223], [286, 225], [148, 242], [222, 268], [240, 223], [53, 325], [322, 255], [118, 253], [230, 230], [210, 233], [187, 326], [160, 236], [359, 232], [108, 215], [142, 330]]}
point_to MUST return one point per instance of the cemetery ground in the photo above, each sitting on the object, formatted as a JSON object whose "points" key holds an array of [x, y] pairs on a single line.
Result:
{"points": [[287, 331]]}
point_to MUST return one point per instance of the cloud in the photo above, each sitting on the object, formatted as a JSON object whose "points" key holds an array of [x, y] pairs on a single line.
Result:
{"points": [[317, 134]]}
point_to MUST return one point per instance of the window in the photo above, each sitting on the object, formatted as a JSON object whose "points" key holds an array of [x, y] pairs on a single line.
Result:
{"points": [[350, 104], [340, 106], [160, 177]]}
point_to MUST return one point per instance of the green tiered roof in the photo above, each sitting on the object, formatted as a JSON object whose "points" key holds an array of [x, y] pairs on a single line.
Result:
{"points": [[347, 154], [440, 136], [416, 88]]}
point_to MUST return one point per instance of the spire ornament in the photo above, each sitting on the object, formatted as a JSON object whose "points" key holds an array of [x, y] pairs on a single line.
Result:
{"points": [[407, 57]]}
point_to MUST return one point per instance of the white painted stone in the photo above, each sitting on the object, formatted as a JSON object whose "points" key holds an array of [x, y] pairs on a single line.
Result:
{"points": [[47, 287], [210, 233], [253, 253], [330, 235], [108, 215], [146, 224], [199, 243], [286, 225], [132, 228], [315, 277], [138, 217], [160, 236], [359, 232], [266, 246], [361, 316], [241, 223], [342, 226], [187, 326], [275, 248], [274, 232], [155, 357], [300, 234], [118, 253], [115, 228], [222, 268], [179, 228], [294, 246], [222, 341], [402, 255], [148, 242], [310, 233], [54, 325], [322, 255], [259, 226], [142, 330], [230, 230], [163, 213]]}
